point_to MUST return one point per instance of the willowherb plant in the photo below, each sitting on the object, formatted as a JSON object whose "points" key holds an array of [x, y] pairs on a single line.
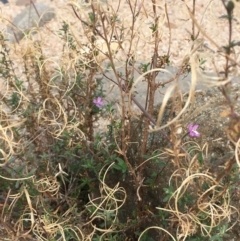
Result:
{"points": [[141, 178]]}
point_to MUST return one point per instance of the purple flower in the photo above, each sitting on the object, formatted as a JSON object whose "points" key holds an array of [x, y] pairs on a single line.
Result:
{"points": [[98, 102], [193, 130]]}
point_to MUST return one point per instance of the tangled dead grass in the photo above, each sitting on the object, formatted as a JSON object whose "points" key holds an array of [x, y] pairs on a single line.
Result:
{"points": [[47, 119]]}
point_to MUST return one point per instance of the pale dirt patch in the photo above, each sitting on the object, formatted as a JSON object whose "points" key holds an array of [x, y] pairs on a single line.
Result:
{"points": [[207, 15]]}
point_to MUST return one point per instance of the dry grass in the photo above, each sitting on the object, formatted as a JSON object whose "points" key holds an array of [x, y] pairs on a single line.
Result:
{"points": [[64, 181]]}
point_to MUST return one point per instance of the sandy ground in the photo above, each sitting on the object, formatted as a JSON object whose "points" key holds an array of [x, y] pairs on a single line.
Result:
{"points": [[207, 14], [175, 36]]}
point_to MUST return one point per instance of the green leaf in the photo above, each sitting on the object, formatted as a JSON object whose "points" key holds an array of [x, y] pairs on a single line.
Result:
{"points": [[200, 158], [230, 7], [153, 27], [91, 17]]}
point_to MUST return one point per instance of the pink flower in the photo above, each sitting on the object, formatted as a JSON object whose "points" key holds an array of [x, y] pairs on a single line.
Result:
{"points": [[193, 130], [98, 102]]}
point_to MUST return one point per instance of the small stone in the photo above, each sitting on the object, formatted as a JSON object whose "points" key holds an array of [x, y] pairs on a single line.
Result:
{"points": [[179, 130], [28, 19], [4, 1]]}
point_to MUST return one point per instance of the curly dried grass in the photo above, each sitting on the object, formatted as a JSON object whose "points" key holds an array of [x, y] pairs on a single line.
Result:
{"points": [[53, 117], [212, 205], [46, 224], [109, 202]]}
